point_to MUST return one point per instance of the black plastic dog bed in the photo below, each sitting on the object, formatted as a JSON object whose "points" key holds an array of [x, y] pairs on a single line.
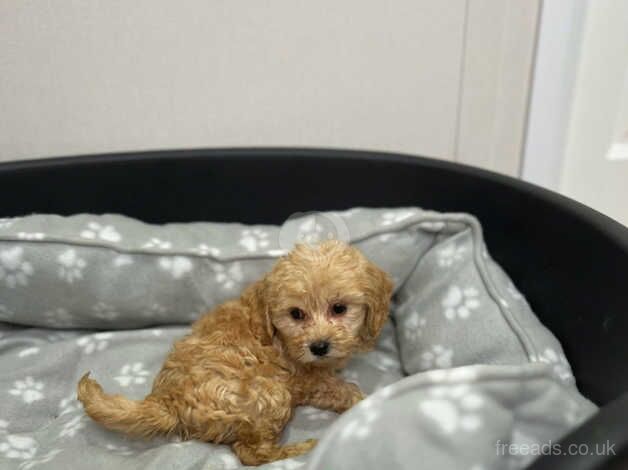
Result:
{"points": [[570, 261]]}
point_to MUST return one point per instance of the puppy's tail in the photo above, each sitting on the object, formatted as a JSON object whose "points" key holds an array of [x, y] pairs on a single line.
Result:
{"points": [[144, 418]]}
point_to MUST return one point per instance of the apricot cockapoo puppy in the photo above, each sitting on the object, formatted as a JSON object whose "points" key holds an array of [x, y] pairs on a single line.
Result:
{"points": [[237, 377]]}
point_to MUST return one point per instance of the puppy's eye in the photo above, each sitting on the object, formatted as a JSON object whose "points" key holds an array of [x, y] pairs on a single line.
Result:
{"points": [[338, 309], [297, 314]]}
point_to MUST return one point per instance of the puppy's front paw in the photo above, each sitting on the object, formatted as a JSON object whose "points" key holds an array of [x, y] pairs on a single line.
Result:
{"points": [[352, 396]]}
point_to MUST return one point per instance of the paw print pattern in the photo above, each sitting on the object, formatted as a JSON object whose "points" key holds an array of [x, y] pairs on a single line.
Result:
{"points": [[14, 446], [453, 409], [31, 235], [58, 317], [105, 311], [132, 374], [205, 250], [450, 255], [414, 326], [71, 266], [28, 390], [93, 343], [71, 427], [254, 239], [96, 231], [458, 303], [310, 231], [13, 270], [6, 222], [437, 356], [391, 218], [176, 266], [229, 277], [559, 363], [157, 243]]}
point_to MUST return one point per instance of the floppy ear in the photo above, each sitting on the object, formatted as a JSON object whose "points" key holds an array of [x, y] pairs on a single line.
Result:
{"points": [[261, 324], [378, 291]]}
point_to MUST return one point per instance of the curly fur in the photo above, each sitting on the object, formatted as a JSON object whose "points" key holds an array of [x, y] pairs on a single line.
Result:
{"points": [[237, 377]]}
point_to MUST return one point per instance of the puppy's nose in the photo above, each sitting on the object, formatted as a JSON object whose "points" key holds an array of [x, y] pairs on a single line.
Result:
{"points": [[319, 348]]}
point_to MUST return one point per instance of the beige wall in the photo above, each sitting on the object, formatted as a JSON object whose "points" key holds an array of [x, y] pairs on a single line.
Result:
{"points": [[439, 78]]}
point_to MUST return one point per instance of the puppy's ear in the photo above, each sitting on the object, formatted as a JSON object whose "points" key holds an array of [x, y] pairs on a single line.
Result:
{"points": [[261, 324], [378, 292]]}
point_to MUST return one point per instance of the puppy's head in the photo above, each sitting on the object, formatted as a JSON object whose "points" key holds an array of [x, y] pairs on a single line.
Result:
{"points": [[325, 302]]}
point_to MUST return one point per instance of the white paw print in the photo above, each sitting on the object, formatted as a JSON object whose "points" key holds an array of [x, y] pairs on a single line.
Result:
{"points": [[453, 408], [71, 427], [122, 260], [414, 326], [31, 235], [437, 356], [97, 342], [71, 266], [28, 352], [450, 255], [205, 250], [95, 231], [228, 277], [13, 270], [132, 374], [28, 389], [58, 317], [6, 222], [310, 231], [254, 239], [5, 313], [390, 218], [14, 446], [105, 311], [459, 302], [559, 363], [177, 266], [157, 243], [155, 310]]}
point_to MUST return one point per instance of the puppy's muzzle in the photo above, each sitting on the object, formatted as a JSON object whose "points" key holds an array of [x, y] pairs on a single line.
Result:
{"points": [[319, 348]]}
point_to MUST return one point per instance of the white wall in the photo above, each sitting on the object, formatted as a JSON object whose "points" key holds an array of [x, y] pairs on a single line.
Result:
{"points": [[440, 78], [88, 76]]}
